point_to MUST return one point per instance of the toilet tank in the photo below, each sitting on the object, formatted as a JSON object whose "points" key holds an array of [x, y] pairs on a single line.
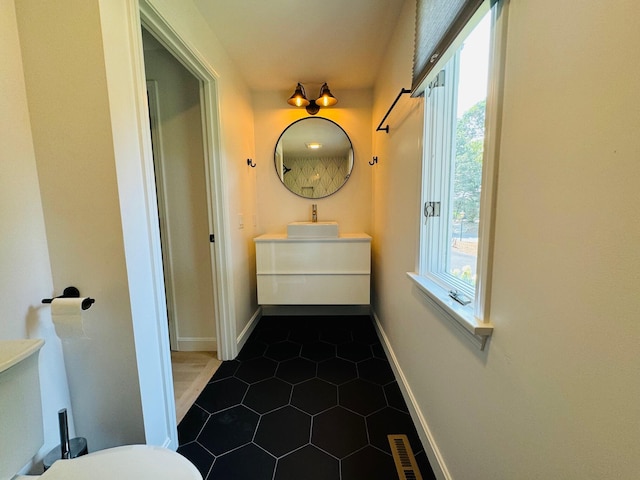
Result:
{"points": [[21, 434]]}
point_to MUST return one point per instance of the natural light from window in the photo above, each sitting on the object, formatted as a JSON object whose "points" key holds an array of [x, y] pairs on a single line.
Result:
{"points": [[458, 174], [467, 178], [474, 66], [455, 106]]}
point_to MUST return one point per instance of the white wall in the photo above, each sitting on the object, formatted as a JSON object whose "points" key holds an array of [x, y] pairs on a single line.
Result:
{"points": [[555, 393], [184, 214], [67, 91], [25, 276], [81, 87], [351, 205], [80, 82]]}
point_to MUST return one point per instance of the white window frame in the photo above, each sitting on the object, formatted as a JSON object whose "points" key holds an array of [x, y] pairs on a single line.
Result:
{"points": [[472, 319]]}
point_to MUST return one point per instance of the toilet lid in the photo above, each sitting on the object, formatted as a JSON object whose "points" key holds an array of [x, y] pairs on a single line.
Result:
{"points": [[132, 462]]}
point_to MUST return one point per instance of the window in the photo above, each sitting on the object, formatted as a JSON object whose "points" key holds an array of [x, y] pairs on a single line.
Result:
{"points": [[457, 178]]}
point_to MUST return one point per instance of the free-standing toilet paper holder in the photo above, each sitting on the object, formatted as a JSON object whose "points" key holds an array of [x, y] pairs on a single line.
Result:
{"points": [[69, 447], [72, 292]]}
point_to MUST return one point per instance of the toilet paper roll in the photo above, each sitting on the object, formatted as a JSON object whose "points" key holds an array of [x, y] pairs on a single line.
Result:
{"points": [[68, 318]]}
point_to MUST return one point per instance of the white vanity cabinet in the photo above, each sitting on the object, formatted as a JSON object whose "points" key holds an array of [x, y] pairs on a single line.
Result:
{"points": [[313, 271]]}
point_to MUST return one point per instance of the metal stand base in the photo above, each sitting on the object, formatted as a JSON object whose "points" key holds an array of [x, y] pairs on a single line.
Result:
{"points": [[77, 448]]}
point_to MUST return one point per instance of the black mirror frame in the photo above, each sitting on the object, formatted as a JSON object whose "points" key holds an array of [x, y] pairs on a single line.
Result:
{"points": [[276, 149]]}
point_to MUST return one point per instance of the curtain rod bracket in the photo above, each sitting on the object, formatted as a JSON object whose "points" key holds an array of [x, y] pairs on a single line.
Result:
{"points": [[386, 129]]}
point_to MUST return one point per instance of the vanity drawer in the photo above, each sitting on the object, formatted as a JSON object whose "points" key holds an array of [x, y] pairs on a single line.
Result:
{"points": [[313, 289], [311, 257]]}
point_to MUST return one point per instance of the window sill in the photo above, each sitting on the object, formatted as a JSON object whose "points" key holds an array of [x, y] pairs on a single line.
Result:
{"points": [[461, 316]]}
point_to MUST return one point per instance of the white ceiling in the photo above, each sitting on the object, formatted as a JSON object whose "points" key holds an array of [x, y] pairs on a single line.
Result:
{"points": [[277, 43]]}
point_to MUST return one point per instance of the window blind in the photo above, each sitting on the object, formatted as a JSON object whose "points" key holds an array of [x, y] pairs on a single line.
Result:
{"points": [[438, 23]]}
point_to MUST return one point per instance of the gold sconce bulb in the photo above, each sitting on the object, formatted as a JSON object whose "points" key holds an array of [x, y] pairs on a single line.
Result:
{"points": [[325, 99], [298, 99]]}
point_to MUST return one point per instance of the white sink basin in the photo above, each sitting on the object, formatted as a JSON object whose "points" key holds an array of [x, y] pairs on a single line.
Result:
{"points": [[312, 230]]}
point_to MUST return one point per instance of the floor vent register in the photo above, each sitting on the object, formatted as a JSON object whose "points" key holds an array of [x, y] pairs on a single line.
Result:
{"points": [[404, 458]]}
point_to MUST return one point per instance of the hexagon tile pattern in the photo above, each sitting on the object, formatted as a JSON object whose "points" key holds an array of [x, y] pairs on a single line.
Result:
{"points": [[307, 398]]}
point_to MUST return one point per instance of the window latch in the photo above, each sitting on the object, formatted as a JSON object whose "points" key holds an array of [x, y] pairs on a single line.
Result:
{"points": [[459, 297], [431, 209]]}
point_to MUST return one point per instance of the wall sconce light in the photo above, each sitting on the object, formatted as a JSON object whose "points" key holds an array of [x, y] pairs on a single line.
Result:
{"points": [[325, 99]]}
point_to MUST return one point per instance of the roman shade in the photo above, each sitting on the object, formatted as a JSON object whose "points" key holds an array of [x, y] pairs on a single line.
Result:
{"points": [[438, 23]]}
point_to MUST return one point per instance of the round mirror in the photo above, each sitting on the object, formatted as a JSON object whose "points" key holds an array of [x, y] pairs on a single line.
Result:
{"points": [[314, 157]]}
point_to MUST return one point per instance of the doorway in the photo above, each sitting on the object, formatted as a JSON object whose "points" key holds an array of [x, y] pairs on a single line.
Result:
{"points": [[175, 118], [142, 236], [176, 131], [224, 299]]}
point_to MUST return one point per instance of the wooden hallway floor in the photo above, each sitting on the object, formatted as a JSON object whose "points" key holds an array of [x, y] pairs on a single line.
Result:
{"points": [[191, 373]]}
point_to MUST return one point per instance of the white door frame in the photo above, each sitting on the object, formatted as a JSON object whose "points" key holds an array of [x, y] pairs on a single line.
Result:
{"points": [[153, 22], [140, 225]]}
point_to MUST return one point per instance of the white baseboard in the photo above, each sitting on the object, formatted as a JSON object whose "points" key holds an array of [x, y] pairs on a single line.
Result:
{"points": [[428, 442], [246, 331], [197, 344]]}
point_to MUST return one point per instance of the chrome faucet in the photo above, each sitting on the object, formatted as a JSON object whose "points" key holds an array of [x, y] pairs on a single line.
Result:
{"points": [[314, 213]]}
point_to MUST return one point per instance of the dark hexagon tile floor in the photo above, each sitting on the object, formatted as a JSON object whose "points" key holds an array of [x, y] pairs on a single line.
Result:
{"points": [[307, 398]]}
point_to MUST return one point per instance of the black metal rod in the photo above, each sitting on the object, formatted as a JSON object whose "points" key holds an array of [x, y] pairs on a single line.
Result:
{"points": [[64, 433], [386, 129], [72, 292]]}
